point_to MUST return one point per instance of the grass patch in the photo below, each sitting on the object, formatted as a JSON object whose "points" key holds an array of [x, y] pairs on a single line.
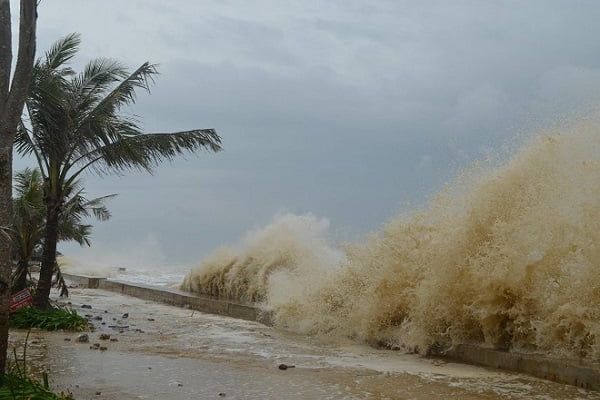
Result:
{"points": [[51, 319], [17, 385]]}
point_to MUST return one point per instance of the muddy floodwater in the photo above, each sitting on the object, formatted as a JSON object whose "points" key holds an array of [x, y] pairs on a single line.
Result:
{"points": [[169, 353]]}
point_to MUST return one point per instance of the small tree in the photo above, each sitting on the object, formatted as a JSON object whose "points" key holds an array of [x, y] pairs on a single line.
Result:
{"points": [[12, 97], [77, 123], [30, 222], [27, 234]]}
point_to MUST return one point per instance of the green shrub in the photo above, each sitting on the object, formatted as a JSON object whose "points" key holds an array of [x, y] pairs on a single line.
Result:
{"points": [[16, 385], [51, 319]]}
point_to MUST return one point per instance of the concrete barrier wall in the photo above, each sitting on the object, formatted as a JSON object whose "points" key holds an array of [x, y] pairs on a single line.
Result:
{"points": [[90, 282], [570, 372], [584, 375], [188, 300]]}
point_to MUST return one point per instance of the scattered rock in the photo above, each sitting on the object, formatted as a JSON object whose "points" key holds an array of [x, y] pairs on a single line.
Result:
{"points": [[151, 319], [86, 306], [126, 315], [114, 339], [104, 336], [222, 394], [283, 367], [67, 339], [138, 330], [121, 331], [88, 315], [104, 323], [83, 338], [103, 348], [98, 393], [98, 318], [97, 345], [105, 311]]}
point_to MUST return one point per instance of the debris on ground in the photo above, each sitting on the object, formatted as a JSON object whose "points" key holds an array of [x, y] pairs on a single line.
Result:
{"points": [[83, 338], [283, 367]]}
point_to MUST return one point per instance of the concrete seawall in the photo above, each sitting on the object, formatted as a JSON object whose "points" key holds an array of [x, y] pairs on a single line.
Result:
{"points": [[576, 373], [90, 282], [179, 298], [583, 375]]}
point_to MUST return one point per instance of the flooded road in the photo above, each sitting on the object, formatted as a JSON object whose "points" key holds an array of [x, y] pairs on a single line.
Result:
{"points": [[169, 353]]}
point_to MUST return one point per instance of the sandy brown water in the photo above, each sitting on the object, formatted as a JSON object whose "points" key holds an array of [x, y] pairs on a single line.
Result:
{"points": [[505, 255], [170, 353]]}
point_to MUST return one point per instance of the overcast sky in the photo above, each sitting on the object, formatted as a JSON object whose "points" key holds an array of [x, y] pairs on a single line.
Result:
{"points": [[350, 110]]}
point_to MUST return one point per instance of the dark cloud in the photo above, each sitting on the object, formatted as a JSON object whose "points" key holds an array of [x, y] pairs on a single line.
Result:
{"points": [[348, 109]]}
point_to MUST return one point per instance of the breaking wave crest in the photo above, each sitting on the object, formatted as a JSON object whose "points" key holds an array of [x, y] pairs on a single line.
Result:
{"points": [[506, 256]]}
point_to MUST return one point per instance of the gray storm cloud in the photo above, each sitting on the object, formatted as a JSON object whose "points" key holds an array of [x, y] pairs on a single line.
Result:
{"points": [[346, 109]]}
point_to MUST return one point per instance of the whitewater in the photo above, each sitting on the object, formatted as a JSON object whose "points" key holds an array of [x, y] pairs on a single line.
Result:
{"points": [[506, 256]]}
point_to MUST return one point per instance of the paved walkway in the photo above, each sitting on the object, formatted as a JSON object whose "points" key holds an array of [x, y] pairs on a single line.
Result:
{"points": [[170, 353]]}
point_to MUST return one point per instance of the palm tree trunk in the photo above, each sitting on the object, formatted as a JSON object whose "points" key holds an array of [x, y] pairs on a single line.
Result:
{"points": [[5, 247], [42, 293], [20, 280], [12, 99]]}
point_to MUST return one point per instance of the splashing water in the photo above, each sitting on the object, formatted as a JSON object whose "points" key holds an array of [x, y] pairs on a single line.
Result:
{"points": [[507, 256], [270, 260]]}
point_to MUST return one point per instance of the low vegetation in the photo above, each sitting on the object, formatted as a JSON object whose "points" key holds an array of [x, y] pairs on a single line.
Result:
{"points": [[50, 319], [19, 383], [16, 384]]}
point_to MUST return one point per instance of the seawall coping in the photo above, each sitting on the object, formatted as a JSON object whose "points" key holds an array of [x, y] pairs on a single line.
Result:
{"points": [[578, 373]]}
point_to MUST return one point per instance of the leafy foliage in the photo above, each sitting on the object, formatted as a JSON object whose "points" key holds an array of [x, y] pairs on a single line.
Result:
{"points": [[77, 122], [29, 212], [17, 383], [50, 319], [30, 217]]}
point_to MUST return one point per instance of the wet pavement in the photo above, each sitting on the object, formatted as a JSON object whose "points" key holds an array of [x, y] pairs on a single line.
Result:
{"points": [[169, 353]]}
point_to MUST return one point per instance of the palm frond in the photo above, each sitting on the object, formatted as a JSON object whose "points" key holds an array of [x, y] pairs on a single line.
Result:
{"points": [[146, 151], [98, 208], [75, 232], [122, 95], [89, 86], [62, 51]]}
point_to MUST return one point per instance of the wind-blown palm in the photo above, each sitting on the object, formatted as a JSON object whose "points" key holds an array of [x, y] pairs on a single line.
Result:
{"points": [[30, 221], [29, 214], [76, 123]]}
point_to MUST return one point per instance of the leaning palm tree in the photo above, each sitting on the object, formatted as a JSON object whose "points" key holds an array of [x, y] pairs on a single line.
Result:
{"points": [[30, 222], [77, 123]]}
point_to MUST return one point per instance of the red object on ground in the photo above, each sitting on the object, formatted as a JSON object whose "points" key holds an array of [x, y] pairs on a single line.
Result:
{"points": [[20, 300]]}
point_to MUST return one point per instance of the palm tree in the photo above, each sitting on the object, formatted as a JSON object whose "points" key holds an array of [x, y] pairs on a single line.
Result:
{"points": [[29, 219], [28, 208], [77, 123]]}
